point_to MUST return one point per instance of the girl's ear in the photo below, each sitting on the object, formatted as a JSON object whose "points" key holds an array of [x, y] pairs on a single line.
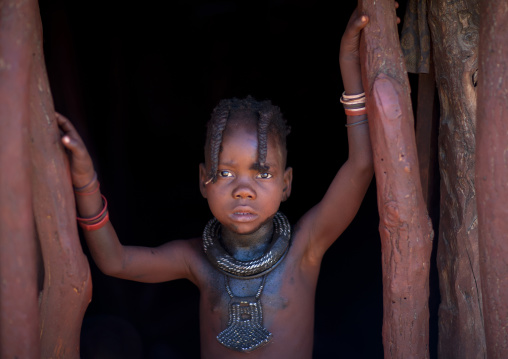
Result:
{"points": [[288, 179], [202, 179]]}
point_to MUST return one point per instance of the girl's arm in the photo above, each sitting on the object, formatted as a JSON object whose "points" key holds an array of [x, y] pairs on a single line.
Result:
{"points": [[329, 218], [144, 264]]}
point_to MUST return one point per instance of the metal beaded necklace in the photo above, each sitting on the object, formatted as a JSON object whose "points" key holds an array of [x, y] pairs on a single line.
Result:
{"points": [[245, 331]]}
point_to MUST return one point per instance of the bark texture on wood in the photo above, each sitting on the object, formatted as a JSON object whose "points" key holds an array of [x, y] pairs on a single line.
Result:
{"points": [[405, 228], [454, 30], [492, 173], [19, 313]]}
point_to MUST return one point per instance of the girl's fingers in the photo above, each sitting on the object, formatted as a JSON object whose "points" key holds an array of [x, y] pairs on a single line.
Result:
{"points": [[70, 138], [362, 22], [62, 121], [69, 131], [356, 24], [65, 124], [76, 147], [68, 142], [351, 37], [81, 164]]}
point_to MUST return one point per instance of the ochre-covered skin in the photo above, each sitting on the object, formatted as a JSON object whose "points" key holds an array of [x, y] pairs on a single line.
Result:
{"points": [[405, 228], [492, 173], [27, 105], [454, 29], [288, 308], [244, 199], [19, 326]]}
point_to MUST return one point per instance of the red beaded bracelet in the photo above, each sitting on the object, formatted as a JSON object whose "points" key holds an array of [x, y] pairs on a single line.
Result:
{"points": [[98, 221], [95, 226], [101, 213], [80, 193]]}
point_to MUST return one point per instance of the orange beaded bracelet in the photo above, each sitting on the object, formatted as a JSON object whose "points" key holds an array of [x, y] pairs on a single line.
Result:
{"points": [[355, 112]]}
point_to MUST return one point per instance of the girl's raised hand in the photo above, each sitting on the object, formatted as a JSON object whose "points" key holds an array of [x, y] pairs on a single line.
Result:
{"points": [[350, 54], [350, 51], [351, 38], [350, 43], [82, 170]]}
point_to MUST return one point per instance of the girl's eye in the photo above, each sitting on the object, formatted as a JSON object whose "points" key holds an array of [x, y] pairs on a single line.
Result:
{"points": [[225, 173], [264, 175]]}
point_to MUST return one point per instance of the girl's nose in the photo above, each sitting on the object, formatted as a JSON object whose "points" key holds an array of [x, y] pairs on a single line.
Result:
{"points": [[244, 191]]}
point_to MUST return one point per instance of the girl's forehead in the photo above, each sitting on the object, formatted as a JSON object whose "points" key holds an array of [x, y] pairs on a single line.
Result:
{"points": [[248, 130], [246, 136], [240, 127], [242, 119]]}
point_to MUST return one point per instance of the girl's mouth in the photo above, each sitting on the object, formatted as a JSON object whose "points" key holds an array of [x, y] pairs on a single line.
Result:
{"points": [[243, 216]]}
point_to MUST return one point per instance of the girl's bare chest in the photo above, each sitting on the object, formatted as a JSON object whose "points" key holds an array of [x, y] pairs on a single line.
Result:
{"points": [[252, 314], [266, 295]]}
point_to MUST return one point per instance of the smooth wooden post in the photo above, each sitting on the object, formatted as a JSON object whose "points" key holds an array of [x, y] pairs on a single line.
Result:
{"points": [[492, 173], [405, 228], [39, 320], [67, 283], [19, 312]]}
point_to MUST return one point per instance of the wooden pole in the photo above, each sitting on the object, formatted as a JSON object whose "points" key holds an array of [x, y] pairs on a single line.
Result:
{"points": [[492, 173], [454, 30], [405, 228], [19, 312], [67, 283], [35, 188]]}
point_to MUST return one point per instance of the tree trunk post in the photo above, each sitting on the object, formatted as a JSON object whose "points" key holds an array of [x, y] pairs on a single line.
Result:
{"points": [[405, 228], [492, 173], [35, 188], [454, 30], [19, 312]]}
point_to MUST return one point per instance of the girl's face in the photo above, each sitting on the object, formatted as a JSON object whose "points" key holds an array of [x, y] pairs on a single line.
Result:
{"points": [[243, 198]]}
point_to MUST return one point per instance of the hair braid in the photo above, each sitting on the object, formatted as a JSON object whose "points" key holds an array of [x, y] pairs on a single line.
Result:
{"points": [[265, 118], [269, 121], [217, 125]]}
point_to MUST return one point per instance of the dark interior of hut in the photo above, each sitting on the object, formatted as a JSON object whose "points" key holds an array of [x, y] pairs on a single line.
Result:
{"points": [[139, 81]]}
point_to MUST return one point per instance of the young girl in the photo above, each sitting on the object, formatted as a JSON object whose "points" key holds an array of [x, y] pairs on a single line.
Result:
{"points": [[256, 275]]}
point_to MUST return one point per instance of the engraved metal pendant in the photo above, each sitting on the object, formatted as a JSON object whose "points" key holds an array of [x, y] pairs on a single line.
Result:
{"points": [[245, 331]]}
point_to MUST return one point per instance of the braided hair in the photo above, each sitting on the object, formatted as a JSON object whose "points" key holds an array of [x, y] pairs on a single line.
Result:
{"points": [[269, 121]]}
